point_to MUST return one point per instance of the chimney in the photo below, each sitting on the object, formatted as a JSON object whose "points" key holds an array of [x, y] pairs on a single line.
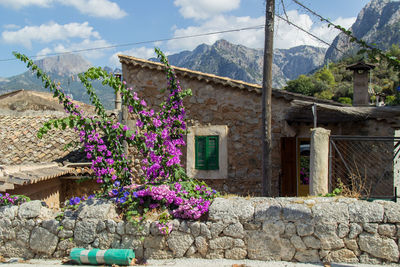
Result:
{"points": [[360, 80], [118, 100]]}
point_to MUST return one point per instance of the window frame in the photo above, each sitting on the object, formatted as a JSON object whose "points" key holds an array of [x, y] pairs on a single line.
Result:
{"points": [[210, 155]]}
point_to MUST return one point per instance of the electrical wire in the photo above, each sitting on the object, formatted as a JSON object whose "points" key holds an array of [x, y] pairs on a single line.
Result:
{"points": [[181, 37]]}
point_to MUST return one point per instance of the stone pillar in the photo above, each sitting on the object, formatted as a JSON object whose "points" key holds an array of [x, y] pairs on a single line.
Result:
{"points": [[319, 161]]}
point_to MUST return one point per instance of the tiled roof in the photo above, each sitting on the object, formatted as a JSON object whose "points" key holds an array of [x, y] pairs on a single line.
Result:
{"points": [[19, 143], [206, 77], [18, 175]]}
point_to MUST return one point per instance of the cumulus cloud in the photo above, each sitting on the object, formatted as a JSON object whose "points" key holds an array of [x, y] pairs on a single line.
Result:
{"points": [[94, 8], [97, 8], [11, 26], [139, 52], [78, 46], [286, 36], [17, 4], [50, 32], [251, 38], [202, 9]]}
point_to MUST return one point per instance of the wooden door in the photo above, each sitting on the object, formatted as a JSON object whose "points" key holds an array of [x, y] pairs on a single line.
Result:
{"points": [[288, 163]]}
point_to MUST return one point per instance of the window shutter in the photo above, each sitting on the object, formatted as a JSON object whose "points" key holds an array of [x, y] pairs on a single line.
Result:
{"points": [[201, 152], [212, 153]]}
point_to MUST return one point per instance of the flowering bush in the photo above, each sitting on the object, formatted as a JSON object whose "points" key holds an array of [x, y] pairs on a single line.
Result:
{"points": [[8, 199], [158, 138]]}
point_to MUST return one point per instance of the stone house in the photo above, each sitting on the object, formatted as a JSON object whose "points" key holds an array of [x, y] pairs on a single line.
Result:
{"points": [[229, 112], [39, 168]]}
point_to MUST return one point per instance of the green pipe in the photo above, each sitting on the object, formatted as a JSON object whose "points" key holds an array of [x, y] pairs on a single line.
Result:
{"points": [[97, 256]]}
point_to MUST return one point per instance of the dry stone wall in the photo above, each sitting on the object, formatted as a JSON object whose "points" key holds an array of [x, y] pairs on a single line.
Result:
{"points": [[289, 229]]}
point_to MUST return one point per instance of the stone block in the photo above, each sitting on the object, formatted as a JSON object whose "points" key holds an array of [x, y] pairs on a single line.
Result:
{"points": [[224, 242], [365, 212], [9, 212], [312, 242], [355, 230], [157, 254], [97, 209], [201, 245], [43, 241], [30, 209], [179, 243], [52, 226], [157, 242], [236, 254], [298, 243], [342, 255], [392, 212], [270, 209], [331, 212], [85, 231], [216, 229], [296, 213], [231, 209], [234, 230], [307, 256], [371, 228], [380, 247], [388, 230], [305, 229], [261, 246]]}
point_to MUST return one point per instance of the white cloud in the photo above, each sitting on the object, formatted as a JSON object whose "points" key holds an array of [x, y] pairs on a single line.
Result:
{"points": [[328, 34], [286, 36], [96, 8], [202, 9], [250, 38], [85, 44], [139, 52], [11, 26], [50, 32], [17, 4]]}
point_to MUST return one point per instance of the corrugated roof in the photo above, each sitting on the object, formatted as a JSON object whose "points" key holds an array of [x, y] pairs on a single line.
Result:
{"points": [[19, 175], [206, 77]]}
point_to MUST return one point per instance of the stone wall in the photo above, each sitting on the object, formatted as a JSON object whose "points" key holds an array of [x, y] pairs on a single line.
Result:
{"points": [[289, 229]]}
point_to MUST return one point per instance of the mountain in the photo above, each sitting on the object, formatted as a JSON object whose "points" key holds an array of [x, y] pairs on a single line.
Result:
{"points": [[246, 64], [64, 65], [378, 22], [62, 69]]}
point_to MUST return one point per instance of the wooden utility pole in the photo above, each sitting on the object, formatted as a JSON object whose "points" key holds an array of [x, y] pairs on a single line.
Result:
{"points": [[267, 97]]}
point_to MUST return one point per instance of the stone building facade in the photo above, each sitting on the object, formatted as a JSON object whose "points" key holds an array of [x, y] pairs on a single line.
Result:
{"points": [[234, 107]]}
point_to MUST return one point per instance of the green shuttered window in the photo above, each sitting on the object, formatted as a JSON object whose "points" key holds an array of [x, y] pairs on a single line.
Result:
{"points": [[206, 152]]}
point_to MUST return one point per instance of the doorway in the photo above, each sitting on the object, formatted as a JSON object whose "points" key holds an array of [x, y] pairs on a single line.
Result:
{"points": [[295, 162], [303, 166]]}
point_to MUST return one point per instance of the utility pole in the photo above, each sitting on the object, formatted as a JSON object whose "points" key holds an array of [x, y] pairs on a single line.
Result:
{"points": [[267, 97]]}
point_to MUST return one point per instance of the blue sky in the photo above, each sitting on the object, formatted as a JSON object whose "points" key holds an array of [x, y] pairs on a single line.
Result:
{"points": [[41, 27]]}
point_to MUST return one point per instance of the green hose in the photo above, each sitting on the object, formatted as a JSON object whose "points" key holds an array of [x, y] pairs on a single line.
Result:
{"points": [[97, 256]]}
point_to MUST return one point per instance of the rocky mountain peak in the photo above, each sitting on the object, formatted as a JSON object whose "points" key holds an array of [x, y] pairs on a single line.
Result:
{"points": [[64, 65], [378, 22]]}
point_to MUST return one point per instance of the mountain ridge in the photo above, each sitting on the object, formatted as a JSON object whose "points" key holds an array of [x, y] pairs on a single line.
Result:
{"points": [[242, 63], [377, 23]]}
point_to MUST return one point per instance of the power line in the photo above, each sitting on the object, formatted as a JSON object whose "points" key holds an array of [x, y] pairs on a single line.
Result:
{"points": [[145, 42], [309, 33], [179, 37]]}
